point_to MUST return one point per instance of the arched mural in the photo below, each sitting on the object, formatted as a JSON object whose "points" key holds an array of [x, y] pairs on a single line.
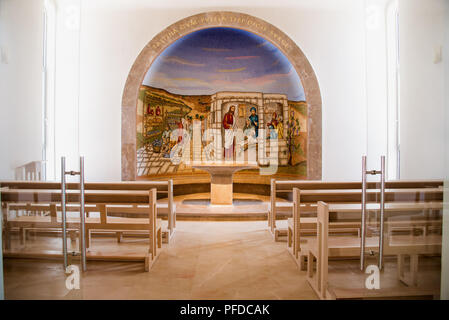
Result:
{"points": [[212, 71], [219, 78]]}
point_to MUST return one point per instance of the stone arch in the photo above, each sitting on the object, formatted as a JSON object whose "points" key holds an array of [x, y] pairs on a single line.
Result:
{"points": [[209, 20]]}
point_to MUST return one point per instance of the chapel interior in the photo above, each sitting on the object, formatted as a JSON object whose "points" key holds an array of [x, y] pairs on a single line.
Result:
{"points": [[224, 150]]}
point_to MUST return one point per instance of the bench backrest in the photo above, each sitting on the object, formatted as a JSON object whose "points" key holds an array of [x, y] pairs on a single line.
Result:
{"points": [[332, 192], [296, 221], [44, 192], [322, 239], [286, 186], [351, 192], [163, 187], [152, 217]]}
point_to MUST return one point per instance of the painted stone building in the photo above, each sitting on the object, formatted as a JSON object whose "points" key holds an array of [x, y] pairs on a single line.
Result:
{"points": [[159, 111], [270, 107]]}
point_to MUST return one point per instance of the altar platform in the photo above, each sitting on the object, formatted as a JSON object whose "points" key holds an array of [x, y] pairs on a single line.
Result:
{"points": [[244, 207]]}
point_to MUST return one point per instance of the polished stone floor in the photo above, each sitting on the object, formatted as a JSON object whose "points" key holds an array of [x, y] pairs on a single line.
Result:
{"points": [[205, 260]]}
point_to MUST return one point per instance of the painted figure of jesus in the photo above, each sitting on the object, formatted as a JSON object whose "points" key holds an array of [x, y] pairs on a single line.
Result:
{"points": [[228, 125]]}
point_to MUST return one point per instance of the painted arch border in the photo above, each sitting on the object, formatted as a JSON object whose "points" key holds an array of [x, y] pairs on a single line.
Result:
{"points": [[220, 19]]}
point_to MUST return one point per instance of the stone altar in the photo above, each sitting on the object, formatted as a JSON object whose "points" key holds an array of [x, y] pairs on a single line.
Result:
{"points": [[221, 175]]}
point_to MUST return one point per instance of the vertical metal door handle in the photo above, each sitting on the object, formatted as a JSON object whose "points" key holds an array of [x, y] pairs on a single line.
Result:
{"points": [[363, 226], [382, 209], [63, 214], [82, 217]]}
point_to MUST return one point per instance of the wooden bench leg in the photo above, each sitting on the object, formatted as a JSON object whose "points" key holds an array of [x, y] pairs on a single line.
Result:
{"points": [[269, 219], [289, 237], [414, 269], [119, 236], [159, 238], [72, 235], [400, 270], [88, 238], [169, 234], [310, 265], [22, 232], [148, 261], [413, 280], [7, 235], [302, 262]]}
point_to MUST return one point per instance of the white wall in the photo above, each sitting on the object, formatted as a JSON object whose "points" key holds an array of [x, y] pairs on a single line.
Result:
{"points": [[421, 26], [95, 56], [20, 84], [445, 249], [330, 33], [67, 120], [376, 84]]}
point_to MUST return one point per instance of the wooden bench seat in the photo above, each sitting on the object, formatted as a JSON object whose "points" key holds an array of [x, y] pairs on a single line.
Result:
{"points": [[122, 225], [323, 247], [397, 209], [345, 193], [39, 193], [149, 225], [308, 227], [112, 223], [425, 226]]}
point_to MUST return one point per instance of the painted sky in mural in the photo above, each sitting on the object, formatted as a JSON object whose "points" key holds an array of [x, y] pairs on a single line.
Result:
{"points": [[224, 59]]}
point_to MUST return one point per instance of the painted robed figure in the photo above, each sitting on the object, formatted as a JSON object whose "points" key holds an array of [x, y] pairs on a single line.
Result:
{"points": [[228, 125], [254, 119]]}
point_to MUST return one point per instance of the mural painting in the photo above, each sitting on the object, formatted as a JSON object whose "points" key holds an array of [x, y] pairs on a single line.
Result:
{"points": [[222, 79]]}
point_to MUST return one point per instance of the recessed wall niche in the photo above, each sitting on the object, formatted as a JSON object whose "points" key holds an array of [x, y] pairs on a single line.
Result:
{"points": [[196, 70]]}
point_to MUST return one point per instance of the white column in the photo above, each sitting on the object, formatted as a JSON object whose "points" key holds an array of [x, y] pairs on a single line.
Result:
{"points": [[217, 127], [260, 113], [196, 136]]}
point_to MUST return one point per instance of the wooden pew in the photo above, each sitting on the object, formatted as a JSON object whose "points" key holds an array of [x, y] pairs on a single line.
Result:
{"points": [[151, 224], [345, 192], [164, 190], [298, 226], [324, 247], [396, 209], [349, 199], [120, 225], [24, 228], [285, 188]]}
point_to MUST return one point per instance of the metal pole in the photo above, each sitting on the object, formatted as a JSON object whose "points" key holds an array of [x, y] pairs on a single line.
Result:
{"points": [[82, 217], [63, 213], [363, 231], [382, 209]]}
